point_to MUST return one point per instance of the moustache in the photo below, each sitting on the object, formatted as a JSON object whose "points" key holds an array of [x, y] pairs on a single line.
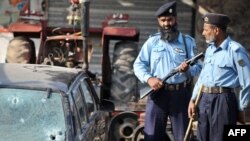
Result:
{"points": [[167, 28]]}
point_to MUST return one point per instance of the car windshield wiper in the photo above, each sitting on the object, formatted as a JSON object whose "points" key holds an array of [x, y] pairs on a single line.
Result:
{"points": [[48, 93]]}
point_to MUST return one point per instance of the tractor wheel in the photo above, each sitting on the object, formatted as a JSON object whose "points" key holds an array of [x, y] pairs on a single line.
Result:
{"points": [[21, 50], [138, 134], [124, 83], [122, 126]]}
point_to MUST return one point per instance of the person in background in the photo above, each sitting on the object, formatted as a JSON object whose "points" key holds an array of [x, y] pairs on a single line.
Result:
{"points": [[21, 50], [161, 53], [226, 66], [9, 11]]}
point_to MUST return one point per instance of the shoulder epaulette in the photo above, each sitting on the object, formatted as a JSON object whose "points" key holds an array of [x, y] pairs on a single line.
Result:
{"points": [[188, 36], [234, 45]]}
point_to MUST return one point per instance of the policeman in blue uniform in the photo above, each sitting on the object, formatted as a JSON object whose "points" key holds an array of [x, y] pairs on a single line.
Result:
{"points": [[161, 53], [226, 66]]}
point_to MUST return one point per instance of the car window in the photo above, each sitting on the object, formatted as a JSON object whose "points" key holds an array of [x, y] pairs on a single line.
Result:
{"points": [[76, 120], [79, 103], [88, 97], [31, 115]]}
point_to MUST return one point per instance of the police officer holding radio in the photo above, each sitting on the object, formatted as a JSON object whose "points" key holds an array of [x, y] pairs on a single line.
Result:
{"points": [[161, 53], [226, 66]]}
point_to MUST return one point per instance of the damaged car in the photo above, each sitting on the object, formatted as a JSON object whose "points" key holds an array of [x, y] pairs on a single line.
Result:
{"points": [[50, 103]]}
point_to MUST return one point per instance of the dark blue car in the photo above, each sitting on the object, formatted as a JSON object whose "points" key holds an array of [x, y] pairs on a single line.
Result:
{"points": [[49, 103]]}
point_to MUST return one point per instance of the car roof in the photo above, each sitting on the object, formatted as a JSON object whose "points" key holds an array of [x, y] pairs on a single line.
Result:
{"points": [[36, 76]]}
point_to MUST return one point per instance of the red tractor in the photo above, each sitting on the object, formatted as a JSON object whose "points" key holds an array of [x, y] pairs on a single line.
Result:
{"points": [[118, 81], [119, 45], [72, 48]]}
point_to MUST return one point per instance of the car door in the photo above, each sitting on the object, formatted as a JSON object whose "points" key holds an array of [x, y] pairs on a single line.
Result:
{"points": [[81, 125], [97, 119]]}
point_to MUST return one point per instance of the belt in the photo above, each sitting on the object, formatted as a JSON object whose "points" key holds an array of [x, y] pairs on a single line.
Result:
{"points": [[217, 90], [175, 87]]}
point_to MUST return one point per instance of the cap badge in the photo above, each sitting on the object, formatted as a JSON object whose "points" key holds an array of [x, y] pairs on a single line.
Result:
{"points": [[170, 10], [206, 19]]}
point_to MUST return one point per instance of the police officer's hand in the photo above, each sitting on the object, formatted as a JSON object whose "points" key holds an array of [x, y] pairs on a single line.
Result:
{"points": [[155, 83], [183, 67], [241, 117], [191, 109]]}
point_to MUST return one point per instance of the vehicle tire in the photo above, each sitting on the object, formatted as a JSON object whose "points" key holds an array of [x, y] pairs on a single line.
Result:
{"points": [[16, 49], [138, 134], [124, 87], [122, 126]]}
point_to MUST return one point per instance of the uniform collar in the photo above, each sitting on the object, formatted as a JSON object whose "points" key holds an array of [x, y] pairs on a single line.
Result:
{"points": [[225, 43]]}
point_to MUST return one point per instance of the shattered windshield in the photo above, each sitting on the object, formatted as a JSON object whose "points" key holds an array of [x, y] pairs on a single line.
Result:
{"points": [[31, 115]]}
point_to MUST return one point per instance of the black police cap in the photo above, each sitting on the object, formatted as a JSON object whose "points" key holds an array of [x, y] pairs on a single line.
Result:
{"points": [[220, 20], [167, 9]]}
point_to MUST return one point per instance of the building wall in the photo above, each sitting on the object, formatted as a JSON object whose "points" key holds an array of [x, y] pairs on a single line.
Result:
{"points": [[239, 12]]}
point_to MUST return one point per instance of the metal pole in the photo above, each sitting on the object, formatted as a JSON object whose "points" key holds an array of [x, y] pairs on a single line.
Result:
{"points": [[85, 30]]}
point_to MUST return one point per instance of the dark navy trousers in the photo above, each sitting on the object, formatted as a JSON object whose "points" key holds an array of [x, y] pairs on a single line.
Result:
{"points": [[215, 111], [164, 104]]}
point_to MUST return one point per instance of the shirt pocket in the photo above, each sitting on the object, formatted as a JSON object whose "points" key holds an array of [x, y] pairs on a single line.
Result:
{"points": [[180, 57], [157, 54], [223, 66]]}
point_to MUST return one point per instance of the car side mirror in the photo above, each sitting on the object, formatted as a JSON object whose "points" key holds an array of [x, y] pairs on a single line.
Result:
{"points": [[107, 105]]}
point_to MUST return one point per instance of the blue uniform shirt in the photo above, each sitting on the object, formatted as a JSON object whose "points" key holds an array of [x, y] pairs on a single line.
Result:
{"points": [[226, 66], [158, 57]]}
